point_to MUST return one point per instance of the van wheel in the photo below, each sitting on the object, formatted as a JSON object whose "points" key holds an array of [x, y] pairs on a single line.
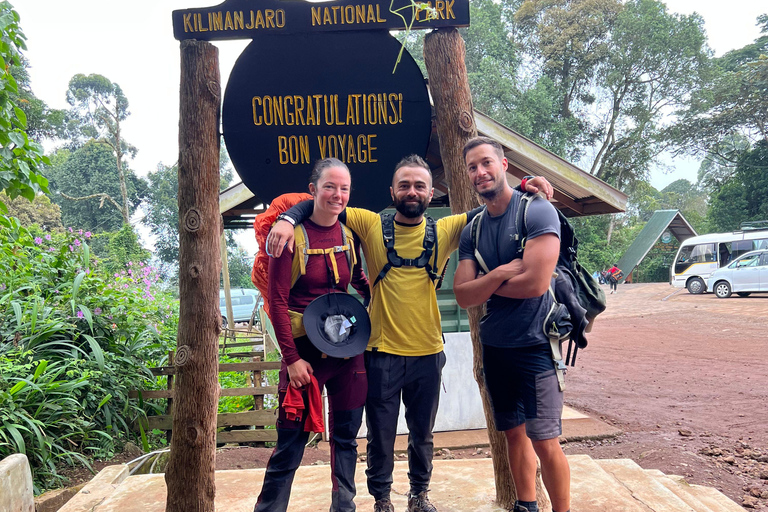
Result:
{"points": [[722, 290], [743, 294], [696, 286], [223, 322]]}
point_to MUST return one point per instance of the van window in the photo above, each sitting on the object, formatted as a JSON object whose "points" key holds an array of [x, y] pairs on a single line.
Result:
{"points": [[242, 299], [701, 253]]}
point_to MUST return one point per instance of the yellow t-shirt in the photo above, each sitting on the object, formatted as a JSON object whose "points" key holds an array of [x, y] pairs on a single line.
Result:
{"points": [[405, 318]]}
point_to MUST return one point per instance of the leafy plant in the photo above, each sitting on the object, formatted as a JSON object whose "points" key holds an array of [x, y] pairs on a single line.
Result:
{"points": [[75, 338]]}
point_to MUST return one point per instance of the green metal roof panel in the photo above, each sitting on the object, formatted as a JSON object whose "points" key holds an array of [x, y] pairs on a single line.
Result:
{"points": [[660, 221]]}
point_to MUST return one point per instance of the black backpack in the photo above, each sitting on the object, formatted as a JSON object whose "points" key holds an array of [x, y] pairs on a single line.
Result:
{"points": [[574, 287]]}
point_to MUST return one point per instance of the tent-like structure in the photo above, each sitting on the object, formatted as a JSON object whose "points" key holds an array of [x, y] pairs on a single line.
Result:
{"points": [[660, 222]]}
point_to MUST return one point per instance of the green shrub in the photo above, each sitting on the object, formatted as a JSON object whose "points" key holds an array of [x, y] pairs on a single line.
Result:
{"points": [[75, 338]]}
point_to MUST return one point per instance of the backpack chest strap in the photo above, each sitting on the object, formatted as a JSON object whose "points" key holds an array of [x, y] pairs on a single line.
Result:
{"points": [[330, 250], [396, 261]]}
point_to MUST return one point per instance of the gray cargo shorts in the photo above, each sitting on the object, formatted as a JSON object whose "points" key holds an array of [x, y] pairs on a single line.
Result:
{"points": [[523, 387]]}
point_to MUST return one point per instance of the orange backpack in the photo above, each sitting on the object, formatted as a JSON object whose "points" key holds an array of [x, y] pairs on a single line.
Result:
{"points": [[262, 224]]}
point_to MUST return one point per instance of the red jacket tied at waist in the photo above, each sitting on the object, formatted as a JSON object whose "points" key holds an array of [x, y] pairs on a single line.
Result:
{"points": [[293, 404]]}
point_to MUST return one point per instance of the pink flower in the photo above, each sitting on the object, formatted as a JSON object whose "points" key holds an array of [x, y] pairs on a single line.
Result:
{"points": [[80, 314], [71, 249], [79, 231], [70, 230], [88, 234], [38, 240], [97, 311], [77, 242], [51, 249], [48, 237]]}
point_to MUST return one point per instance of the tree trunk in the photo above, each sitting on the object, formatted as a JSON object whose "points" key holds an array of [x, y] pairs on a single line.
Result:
{"points": [[124, 210], [449, 85], [190, 473]]}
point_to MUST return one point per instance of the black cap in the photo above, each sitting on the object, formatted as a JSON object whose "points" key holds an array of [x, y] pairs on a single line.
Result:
{"points": [[338, 325]]}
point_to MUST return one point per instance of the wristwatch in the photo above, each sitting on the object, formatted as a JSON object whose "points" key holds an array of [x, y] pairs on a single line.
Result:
{"points": [[522, 182], [285, 217]]}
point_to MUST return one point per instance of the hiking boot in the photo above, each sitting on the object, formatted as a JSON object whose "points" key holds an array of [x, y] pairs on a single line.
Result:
{"points": [[420, 503], [383, 505]]}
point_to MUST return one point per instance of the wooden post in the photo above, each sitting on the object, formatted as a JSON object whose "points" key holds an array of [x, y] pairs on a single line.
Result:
{"points": [[191, 468], [227, 285], [444, 57]]}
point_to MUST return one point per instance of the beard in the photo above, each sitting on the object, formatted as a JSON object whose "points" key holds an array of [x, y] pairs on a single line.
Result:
{"points": [[492, 193], [411, 210]]}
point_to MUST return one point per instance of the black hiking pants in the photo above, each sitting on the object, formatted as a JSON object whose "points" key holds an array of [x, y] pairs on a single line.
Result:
{"points": [[417, 380]]}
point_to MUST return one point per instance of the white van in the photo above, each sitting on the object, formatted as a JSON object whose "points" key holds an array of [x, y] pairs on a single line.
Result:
{"points": [[244, 302], [699, 256]]}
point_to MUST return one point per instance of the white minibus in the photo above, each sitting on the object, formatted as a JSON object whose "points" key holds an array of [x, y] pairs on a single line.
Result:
{"points": [[699, 256]]}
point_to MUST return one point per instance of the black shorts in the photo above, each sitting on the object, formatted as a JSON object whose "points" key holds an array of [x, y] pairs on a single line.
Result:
{"points": [[523, 387]]}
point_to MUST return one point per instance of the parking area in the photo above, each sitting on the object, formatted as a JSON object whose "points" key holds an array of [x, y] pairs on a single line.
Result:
{"points": [[684, 377]]}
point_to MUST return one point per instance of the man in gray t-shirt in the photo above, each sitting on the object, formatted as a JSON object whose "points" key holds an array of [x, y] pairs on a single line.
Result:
{"points": [[517, 360]]}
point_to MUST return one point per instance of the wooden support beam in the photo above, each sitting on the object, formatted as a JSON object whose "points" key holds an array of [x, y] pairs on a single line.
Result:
{"points": [[190, 472]]}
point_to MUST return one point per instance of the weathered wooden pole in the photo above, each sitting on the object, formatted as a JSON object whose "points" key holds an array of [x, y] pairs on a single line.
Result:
{"points": [[190, 472], [444, 57]]}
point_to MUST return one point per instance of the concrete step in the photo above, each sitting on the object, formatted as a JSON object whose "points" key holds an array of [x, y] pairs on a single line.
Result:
{"points": [[644, 487], [681, 491], [595, 490], [462, 485], [709, 496]]}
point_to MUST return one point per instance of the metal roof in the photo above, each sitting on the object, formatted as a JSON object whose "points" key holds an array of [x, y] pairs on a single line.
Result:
{"points": [[660, 221], [577, 192]]}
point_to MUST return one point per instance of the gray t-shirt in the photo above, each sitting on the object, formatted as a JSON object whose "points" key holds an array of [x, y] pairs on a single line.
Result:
{"points": [[511, 322]]}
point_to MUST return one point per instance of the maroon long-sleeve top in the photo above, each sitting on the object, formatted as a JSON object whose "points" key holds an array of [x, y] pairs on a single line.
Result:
{"points": [[317, 281]]}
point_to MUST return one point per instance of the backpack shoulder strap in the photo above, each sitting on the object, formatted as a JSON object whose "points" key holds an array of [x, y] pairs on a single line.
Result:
{"points": [[348, 241], [388, 233], [521, 222], [474, 230], [430, 249], [300, 257]]}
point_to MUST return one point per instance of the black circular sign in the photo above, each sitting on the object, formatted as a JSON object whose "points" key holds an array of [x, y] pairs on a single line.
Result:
{"points": [[292, 100]]}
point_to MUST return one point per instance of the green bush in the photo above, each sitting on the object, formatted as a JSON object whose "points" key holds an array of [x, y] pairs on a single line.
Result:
{"points": [[75, 337]]}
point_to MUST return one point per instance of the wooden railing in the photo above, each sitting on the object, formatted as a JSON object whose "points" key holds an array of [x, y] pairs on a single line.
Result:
{"points": [[257, 418]]}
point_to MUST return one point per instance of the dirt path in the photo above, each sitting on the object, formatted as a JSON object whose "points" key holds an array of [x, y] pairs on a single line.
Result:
{"points": [[683, 376]]}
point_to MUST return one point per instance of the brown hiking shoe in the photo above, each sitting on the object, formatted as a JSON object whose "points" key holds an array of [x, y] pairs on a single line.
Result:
{"points": [[383, 505], [420, 503]]}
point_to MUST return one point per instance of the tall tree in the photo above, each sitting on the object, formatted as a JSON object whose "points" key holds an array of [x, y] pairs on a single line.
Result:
{"points": [[656, 59], [734, 107], [20, 157], [744, 196], [101, 106], [505, 84], [89, 172], [572, 38]]}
